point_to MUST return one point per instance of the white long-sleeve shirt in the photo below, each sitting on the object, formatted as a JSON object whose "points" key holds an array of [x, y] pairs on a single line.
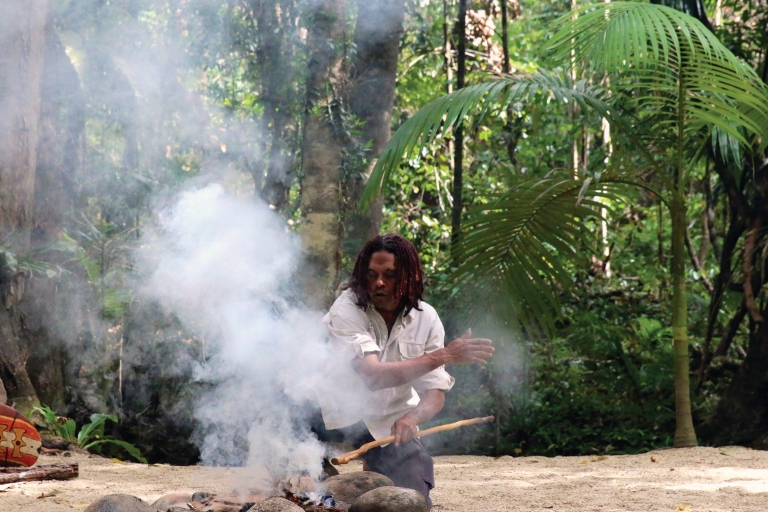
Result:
{"points": [[354, 332]]}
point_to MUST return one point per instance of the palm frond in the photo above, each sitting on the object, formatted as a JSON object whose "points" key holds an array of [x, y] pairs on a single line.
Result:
{"points": [[519, 243], [660, 52], [620, 35], [439, 116]]}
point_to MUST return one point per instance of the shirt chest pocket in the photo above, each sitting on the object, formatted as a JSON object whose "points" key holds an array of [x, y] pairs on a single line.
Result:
{"points": [[410, 350]]}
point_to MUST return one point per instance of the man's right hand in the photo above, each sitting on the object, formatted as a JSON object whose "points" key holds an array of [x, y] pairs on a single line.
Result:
{"points": [[466, 349]]}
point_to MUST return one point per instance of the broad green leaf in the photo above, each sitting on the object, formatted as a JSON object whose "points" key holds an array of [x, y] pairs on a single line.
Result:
{"points": [[128, 447]]}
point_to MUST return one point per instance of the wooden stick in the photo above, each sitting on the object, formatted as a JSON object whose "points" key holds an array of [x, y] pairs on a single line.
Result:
{"points": [[52, 472], [343, 459]]}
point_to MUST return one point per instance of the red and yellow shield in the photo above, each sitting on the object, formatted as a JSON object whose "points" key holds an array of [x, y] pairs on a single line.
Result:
{"points": [[19, 439]]}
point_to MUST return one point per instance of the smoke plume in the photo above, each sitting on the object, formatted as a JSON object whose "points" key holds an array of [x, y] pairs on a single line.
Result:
{"points": [[223, 266]]}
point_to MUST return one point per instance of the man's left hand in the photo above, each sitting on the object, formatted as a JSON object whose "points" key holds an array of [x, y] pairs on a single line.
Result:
{"points": [[404, 430]]}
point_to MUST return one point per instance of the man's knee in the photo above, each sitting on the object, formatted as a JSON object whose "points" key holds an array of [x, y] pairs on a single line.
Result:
{"points": [[407, 466]]}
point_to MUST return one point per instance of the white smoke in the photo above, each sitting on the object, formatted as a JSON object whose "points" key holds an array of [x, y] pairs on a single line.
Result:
{"points": [[223, 266]]}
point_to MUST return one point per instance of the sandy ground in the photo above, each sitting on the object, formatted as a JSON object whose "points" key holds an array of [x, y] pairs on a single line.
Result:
{"points": [[696, 479]]}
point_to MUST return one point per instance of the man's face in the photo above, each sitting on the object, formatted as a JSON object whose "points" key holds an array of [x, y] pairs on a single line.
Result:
{"points": [[381, 280]]}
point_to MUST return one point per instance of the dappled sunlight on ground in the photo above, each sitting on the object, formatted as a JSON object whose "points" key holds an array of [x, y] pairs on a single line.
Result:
{"points": [[698, 479]]}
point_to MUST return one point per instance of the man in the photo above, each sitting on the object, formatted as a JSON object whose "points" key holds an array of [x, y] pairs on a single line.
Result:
{"points": [[393, 343]]}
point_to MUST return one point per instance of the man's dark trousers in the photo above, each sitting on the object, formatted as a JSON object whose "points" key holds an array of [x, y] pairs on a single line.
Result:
{"points": [[408, 466]]}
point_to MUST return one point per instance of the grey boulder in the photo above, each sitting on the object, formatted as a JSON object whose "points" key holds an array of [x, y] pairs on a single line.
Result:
{"points": [[119, 503], [176, 499], [275, 504], [390, 499], [349, 486]]}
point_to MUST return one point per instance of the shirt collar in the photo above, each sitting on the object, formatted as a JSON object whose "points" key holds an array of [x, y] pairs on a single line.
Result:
{"points": [[410, 316]]}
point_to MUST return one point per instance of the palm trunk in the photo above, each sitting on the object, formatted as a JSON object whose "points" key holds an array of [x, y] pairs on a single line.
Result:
{"points": [[685, 435]]}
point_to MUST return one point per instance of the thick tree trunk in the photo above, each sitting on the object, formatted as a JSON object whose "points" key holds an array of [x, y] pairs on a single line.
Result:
{"points": [[321, 228], [22, 39], [377, 39], [13, 351], [741, 416], [60, 146], [59, 161]]}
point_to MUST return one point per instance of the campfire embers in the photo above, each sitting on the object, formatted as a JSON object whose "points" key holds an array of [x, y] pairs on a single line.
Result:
{"points": [[302, 490], [314, 502]]}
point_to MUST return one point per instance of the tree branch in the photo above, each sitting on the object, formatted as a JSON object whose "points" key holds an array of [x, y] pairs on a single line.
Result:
{"points": [[746, 268], [696, 263], [53, 472], [730, 330]]}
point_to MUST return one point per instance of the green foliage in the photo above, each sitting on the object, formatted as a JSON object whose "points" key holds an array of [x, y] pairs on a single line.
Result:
{"points": [[91, 435], [509, 241], [438, 117], [605, 386], [57, 425], [681, 78]]}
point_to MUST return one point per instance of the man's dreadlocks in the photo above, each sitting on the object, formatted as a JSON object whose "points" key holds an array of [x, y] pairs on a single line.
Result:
{"points": [[410, 277]]}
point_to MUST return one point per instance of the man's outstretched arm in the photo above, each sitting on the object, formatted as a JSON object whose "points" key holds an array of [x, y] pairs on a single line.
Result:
{"points": [[379, 375]]}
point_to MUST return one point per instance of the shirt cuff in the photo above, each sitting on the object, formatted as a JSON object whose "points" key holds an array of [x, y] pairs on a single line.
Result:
{"points": [[363, 343], [436, 379]]}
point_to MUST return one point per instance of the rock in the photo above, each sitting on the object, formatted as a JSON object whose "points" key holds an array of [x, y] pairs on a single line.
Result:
{"points": [[275, 504], [349, 486], [119, 503], [390, 499], [175, 499], [202, 496], [3, 394], [342, 505]]}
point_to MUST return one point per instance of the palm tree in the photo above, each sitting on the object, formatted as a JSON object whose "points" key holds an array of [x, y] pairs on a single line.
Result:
{"points": [[674, 88]]}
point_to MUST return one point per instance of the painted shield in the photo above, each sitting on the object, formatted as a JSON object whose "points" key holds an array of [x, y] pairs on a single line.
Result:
{"points": [[19, 439]]}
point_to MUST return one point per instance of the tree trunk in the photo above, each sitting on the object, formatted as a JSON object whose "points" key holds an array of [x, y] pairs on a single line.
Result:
{"points": [[321, 228], [377, 39], [684, 433], [741, 415], [275, 66], [458, 133], [59, 161], [22, 39], [60, 146], [13, 351]]}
